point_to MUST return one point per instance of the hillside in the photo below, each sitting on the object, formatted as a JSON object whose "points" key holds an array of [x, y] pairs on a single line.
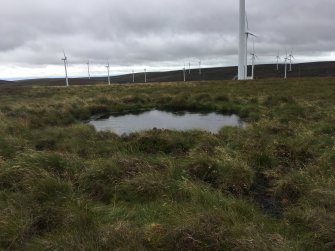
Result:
{"points": [[4, 82], [268, 186], [317, 69]]}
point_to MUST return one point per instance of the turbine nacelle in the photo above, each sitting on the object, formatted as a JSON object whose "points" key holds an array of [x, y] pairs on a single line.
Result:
{"points": [[65, 57], [253, 55], [291, 55]]}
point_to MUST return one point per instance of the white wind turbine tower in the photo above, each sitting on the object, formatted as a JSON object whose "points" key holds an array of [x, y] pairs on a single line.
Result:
{"points": [[108, 67], [65, 65], [290, 57], [88, 69], [133, 76], [242, 41], [184, 73], [145, 75], [278, 57]]}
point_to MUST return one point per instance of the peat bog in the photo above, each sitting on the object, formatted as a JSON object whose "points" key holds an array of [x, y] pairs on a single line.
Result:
{"points": [[267, 186]]}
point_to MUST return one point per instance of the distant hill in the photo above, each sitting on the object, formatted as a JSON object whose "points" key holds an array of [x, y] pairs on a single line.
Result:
{"points": [[317, 69], [3, 82]]}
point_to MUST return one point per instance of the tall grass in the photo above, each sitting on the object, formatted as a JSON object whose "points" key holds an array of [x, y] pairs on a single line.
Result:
{"points": [[268, 186]]}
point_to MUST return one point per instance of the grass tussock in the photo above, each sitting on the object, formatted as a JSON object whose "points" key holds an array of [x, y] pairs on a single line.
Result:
{"points": [[268, 186]]}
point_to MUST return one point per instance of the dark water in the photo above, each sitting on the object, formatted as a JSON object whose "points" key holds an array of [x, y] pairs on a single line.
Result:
{"points": [[182, 121]]}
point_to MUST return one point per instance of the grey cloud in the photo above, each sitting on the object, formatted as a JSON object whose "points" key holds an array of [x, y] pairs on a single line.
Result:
{"points": [[34, 32]]}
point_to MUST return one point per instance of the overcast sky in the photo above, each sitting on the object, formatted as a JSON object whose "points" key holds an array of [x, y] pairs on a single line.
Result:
{"points": [[156, 34]]}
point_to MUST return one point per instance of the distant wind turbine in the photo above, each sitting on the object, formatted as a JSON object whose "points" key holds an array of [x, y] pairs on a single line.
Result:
{"points": [[108, 67], [290, 57], [88, 69], [145, 75], [253, 58], [184, 73], [286, 59], [247, 34], [278, 57], [65, 65], [133, 76], [200, 67]]}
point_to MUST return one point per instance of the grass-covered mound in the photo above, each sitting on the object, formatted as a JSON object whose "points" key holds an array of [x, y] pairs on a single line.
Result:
{"points": [[270, 186]]}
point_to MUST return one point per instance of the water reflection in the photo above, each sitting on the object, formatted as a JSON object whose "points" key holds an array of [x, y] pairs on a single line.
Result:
{"points": [[127, 123]]}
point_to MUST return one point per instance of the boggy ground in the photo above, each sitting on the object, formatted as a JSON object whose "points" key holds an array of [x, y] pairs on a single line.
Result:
{"points": [[270, 186]]}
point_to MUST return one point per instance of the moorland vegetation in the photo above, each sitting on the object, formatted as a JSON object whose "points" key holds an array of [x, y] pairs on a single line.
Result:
{"points": [[268, 186]]}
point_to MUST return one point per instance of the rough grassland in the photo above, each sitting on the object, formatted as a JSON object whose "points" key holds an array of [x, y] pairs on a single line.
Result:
{"points": [[270, 186]]}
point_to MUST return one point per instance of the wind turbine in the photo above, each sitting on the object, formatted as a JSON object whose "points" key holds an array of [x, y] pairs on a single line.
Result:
{"points": [[290, 58], [247, 34], [65, 65], [88, 69], [133, 76], [242, 43], [189, 67], [145, 75], [184, 73], [253, 58], [286, 59], [278, 57], [108, 67]]}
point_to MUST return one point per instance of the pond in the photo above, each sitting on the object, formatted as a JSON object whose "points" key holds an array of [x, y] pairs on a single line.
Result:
{"points": [[182, 121]]}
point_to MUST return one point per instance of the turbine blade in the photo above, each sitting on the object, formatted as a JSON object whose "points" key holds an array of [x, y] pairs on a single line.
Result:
{"points": [[251, 34], [253, 46]]}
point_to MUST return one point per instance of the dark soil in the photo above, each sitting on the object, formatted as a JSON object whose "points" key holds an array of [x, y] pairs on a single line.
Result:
{"points": [[261, 193]]}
